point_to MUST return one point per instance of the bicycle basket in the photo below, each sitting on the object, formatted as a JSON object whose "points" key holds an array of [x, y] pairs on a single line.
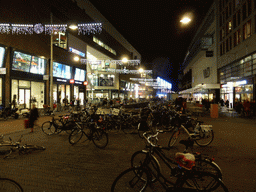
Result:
{"points": [[185, 160]]}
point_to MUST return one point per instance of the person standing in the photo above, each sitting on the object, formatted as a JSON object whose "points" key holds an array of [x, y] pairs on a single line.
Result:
{"points": [[33, 117]]}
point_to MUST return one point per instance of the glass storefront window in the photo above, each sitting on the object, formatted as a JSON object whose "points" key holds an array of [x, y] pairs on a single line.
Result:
{"points": [[76, 92], [21, 61], [79, 74], [37, 65], [68, 92], [2, 53], [54, 93], [14, 89], [61, 71], [106, 80], [37, 94]]}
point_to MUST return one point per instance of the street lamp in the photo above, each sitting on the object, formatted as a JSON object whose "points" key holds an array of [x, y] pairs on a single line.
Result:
{"points": [[185, 20]]}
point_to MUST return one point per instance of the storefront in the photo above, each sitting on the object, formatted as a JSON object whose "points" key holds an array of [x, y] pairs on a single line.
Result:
{"points": [[79, 88], [2, 72], [26, 67], [237, 91], [61, 84]]}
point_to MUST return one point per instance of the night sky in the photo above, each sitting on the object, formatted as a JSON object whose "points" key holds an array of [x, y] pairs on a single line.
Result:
{"points": [[153, 28]]}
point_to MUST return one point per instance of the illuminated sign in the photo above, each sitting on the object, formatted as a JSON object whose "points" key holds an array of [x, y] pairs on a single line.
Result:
{"points": [[73, 50], [62, 80], [71, 81], [85, 83]]}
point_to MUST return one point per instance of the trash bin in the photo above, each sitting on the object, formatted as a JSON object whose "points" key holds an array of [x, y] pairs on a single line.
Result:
{"points": [[214, 111], [26, 123]]}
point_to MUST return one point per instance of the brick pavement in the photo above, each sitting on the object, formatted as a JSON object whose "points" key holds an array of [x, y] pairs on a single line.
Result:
{"points": [[83, 167]]}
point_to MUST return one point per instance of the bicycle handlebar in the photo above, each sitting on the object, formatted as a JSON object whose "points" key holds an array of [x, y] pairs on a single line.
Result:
{"points": [[149, 137]]}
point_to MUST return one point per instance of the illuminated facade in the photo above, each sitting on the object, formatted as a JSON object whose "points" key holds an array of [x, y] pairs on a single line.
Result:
{"points": [[25, 52]]}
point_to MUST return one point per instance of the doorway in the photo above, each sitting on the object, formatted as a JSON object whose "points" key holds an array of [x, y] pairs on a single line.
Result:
{"points": [[24, 98]]}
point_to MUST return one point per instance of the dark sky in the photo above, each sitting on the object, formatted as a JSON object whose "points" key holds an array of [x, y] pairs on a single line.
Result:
{"points": [[153, 27]]}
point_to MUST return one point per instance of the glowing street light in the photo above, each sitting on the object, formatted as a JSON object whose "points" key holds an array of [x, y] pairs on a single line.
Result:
{"points": [[141, 70], [185, 20], [125, 60], [76, 58]]}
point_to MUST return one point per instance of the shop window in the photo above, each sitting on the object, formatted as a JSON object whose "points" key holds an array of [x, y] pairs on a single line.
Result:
{"points": [[21, 61], [37, 94], [2, 53], [247, 30], [37, 65], [106, 80], [254, 66], [61, 71], [79, 74]]}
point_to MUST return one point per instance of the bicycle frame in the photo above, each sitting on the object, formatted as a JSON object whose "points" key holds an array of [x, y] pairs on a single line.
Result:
{"points": [[167, 161]]}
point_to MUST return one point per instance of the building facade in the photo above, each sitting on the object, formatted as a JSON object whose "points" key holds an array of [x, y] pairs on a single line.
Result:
{"points": [[200, 64], [234, 52], [25, 56]]}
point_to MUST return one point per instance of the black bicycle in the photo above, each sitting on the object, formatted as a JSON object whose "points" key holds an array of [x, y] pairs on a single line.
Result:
{"points": [[146, 175], [56, 126], [95, 134]]}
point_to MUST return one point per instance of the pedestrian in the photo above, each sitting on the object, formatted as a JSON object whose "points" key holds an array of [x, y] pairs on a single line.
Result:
{"points": [[33, 117], [227, 103]]}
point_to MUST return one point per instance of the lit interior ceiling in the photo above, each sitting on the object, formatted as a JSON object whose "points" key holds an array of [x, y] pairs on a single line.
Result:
{"points": [[93, 53]]}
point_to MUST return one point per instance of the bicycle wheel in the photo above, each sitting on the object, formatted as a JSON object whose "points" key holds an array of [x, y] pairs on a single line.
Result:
{"points": [[75, 136], [205, 139], [173, 138], [202, 181], [141, 157], [48, 128], [130, 180], [9, 185], [206, 165], [100, 138]]}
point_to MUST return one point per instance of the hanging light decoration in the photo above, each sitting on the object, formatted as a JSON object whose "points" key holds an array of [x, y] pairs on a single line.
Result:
{"points": [[49, 29], [39, 28], [22, 29], [5, 28], [91, 28]]}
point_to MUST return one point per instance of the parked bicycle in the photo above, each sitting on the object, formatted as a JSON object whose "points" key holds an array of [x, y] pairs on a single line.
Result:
{"points": [[144, 176], [152, 151], [203, 135], [56, 126], [97, 135], [8, 147]]}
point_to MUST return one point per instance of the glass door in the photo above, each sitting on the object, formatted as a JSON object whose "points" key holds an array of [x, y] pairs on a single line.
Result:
{"points": [[24, 98]]}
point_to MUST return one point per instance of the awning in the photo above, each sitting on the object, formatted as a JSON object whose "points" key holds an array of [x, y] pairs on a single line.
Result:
{"points": [[199, 88]]}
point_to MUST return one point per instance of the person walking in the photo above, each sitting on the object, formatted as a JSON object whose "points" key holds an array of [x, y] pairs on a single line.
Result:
{"points": [[33, 117]]}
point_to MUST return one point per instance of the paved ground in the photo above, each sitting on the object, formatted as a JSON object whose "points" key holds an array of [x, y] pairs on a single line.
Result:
{"points": [[83, 167]]}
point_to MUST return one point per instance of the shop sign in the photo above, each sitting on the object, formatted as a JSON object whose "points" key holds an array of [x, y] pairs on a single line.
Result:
{"points": [[2, 70], [62, 80], [78, 82], [46, 77]]}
